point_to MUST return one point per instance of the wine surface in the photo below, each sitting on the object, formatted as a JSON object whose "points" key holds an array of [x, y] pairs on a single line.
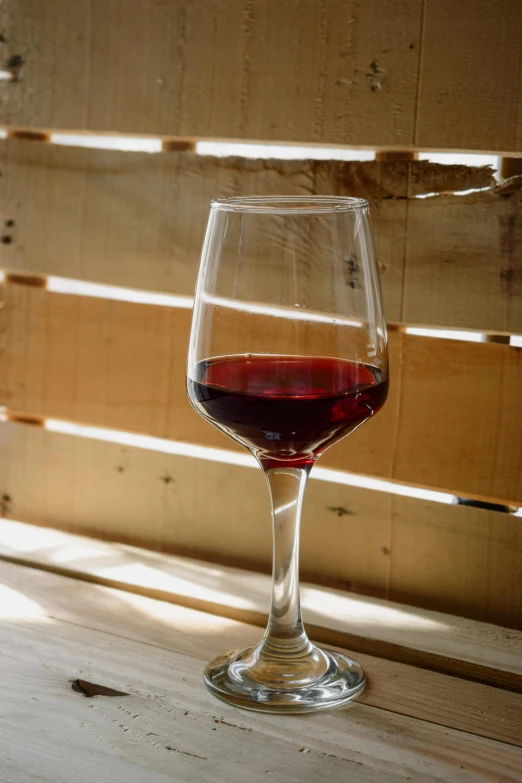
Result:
{"points": [[287, 409]]}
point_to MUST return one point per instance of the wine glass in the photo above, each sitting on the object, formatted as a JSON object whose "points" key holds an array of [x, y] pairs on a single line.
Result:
{"points": [[288, 354]]}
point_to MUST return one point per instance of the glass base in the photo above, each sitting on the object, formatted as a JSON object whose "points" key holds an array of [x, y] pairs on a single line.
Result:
{"points": [[254, 681]]}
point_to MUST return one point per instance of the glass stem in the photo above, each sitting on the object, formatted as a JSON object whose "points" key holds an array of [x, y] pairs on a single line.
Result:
{"points": [[285, 633]]}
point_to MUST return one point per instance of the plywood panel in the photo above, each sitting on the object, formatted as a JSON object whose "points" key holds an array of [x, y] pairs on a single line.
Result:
{"points": [[400, 74], [451, 422], [138, 220], [450, 558]]}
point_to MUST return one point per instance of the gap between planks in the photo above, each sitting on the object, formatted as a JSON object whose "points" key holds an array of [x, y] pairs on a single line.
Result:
{"points": [[170, 143], [130, 294]]}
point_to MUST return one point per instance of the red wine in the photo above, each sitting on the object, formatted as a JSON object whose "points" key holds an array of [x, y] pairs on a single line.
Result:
{"points": [[286, 409]]}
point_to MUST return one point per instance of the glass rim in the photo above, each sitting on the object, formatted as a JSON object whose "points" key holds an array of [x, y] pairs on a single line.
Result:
{"points": [[288, 205]]}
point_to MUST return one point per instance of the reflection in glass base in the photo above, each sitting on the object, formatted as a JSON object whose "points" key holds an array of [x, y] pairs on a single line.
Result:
{"points": [[247, 679]]}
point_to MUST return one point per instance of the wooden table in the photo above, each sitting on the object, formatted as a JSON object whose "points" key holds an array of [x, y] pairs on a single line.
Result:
{"points": [[62, 638]]}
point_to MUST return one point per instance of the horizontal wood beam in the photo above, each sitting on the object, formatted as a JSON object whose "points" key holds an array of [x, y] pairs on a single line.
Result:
{"points": [[137, 220], [403, 75]]}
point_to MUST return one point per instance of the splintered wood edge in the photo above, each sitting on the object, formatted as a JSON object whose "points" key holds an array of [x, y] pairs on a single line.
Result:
{"points": [[464, 649]]}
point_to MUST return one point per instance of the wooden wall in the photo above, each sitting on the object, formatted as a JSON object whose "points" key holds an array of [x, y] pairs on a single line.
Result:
{"points": [[395, 75]]}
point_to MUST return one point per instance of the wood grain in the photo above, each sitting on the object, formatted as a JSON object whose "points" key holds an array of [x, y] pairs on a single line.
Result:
{"points": [[403, 75], [138, 220], [169, 724], [442, 112], [450, 558], [430, 640], [490, 712], [122, 365]]}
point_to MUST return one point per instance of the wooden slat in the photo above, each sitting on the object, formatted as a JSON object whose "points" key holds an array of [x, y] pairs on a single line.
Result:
{"points": [[489, 712], [448, 558], [186, 505], [138, 220], [399, 75], [122, 365], [168, 725], [166, 722], [430, 640]]}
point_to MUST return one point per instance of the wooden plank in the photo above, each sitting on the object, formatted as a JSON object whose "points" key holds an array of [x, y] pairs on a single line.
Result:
{"points": [[138, 220], [150, 729], [456, 558], [166, 708], [175, 728], [468, 250], [403, 75], [122, 365], [450, 558], [442, 560], [430, 640], [469, 47], [207, 509], [472, 384], [489, 712]]}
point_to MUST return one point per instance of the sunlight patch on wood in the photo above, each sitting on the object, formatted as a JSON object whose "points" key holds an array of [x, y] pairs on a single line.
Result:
{"points": [[363, 611], [336, 610], [196, 451], [16, 606], [64, 285], [195, 580], [448, 334]]}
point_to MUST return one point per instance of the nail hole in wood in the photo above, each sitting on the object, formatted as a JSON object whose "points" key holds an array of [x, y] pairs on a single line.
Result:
{"points": [[23, 418], [24, 135], [178, 145], [341, 511], [37, 281]]}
